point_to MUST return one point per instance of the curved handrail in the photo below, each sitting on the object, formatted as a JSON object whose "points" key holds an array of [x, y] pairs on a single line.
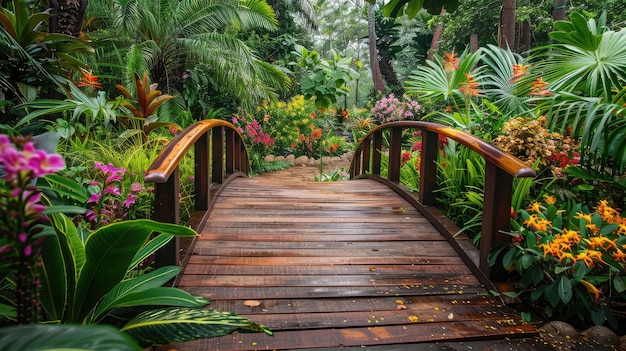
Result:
{"points": [[220, 155], [500, 168]]}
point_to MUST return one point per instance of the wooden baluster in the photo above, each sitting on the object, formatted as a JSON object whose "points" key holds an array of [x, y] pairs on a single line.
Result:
{"points": [[230, 151], [201, 175], [395, 149], [217, 157], [166, 209], [367, 156], [496, 217], [428, 167], [376, 153]]}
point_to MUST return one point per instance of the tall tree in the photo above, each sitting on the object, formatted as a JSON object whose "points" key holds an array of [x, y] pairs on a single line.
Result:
{"points": [[379, 86], [506, 30], [67, 16]]}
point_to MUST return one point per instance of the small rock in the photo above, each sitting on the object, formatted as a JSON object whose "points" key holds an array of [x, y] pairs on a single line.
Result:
{"points": [[291, 158], [560, 334], [602, 336], [313, 162], [279, 158], [269, 158], [301, 161]]}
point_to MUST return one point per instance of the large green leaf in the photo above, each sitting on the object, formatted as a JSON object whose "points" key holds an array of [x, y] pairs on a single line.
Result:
{"points": [[71, 252], [149, 248], [160, 296], [118, 295], [110, 251], [43, 337], [183, 324], [53, 278]]}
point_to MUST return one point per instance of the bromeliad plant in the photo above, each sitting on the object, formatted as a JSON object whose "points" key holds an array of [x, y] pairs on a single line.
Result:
{"points": [[570, 256]]}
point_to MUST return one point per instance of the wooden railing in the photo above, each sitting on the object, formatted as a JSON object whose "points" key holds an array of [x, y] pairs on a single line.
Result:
{"points": [[219, 156], [500, 168]]}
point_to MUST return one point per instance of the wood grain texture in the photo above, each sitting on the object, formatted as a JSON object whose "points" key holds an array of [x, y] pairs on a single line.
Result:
{"points": [[348, 264]]}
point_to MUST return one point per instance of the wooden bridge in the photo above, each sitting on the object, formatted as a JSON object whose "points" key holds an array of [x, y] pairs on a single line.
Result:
{"points": [[361, 264]]}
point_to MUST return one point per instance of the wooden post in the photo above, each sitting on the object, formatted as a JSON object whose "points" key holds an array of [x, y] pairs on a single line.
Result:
{"points": [[201, 175], [496, 217], [395, 149], [428, 167], [166, 209], [230, 151], [376, 153], [367, 155], [217, 156]]}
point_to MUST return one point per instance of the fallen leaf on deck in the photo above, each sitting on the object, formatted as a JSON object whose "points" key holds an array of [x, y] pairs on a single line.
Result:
{"points": [[252, 303]]}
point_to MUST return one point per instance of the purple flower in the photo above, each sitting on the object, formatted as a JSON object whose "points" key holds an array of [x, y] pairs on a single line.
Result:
{"points": [[94, 198], [130, 200], [112, 190]]}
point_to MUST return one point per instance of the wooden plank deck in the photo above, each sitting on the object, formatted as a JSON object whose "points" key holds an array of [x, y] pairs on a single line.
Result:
{"points": [[336, 265]]}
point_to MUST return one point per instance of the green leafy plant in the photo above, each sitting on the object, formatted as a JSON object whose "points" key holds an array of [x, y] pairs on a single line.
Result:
{"points": [[586, 70], [568, 255], [34, 62], [325, 79], [82, 114], [61, 274]]}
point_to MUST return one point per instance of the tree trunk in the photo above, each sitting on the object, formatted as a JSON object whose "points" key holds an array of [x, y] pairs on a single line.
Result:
{"points": [[524, 36], [506, 30], [387, 71], [434, 44], [67, 16], [473, 43], [558, 11], [379, 87]]}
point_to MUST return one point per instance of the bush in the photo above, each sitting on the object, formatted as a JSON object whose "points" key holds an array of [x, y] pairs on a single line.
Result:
{"points": [[570, 259]]}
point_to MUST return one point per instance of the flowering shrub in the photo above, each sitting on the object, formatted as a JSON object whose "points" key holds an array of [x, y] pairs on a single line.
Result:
{"points": [[570, 257], [110, 200], [390, 108], [252, 131], [22, 217], [289, 120], [527, 139]]}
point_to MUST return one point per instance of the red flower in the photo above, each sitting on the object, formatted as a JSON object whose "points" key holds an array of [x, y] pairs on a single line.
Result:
{"points": [[88, 80]]}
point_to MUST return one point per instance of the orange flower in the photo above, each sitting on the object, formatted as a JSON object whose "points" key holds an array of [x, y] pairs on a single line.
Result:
{"points": [[518, 72], [550, 200], [450, 62], [540, 88], [585, 216], [566, 255], [88, 80], [592, 289], [469, 88], [583, 256], [535, 222], [535, 207], [619, 255]]}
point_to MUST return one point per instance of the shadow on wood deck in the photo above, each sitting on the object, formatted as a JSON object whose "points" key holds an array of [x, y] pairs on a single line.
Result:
{"points": [[339, 265]]}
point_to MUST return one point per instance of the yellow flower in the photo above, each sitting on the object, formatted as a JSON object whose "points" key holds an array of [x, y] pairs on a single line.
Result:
{"points": [[564, 255], [534, 207], [550, 200], [585, 258], [601, 242], [592, 289], [619, 255], [585, 216], [537, 223], [593, 228]]}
